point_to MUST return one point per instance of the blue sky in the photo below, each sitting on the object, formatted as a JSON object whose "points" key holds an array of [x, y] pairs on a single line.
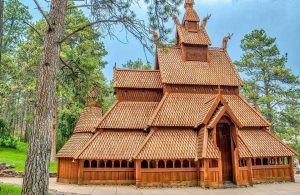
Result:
{"points": [[280, 19]]}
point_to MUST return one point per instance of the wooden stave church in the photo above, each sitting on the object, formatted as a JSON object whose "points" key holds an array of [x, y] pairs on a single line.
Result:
{"points": [[183, 123]]}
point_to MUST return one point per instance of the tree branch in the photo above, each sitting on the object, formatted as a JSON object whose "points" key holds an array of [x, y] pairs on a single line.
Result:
{"points": [[67, 65], [35, 30], [43, 13], [88, 25]]}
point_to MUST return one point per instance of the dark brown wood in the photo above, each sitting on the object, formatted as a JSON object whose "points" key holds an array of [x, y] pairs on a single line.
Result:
{"points": [[141, 95], [224, 144]]}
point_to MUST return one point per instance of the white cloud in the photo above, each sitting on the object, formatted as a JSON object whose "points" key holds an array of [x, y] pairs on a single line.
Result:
{"points": [[213, 2]]}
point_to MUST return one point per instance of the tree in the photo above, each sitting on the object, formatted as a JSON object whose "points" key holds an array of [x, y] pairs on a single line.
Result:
{"points": [[269, 84], [108, 15], [137, 64], [1, 28]]}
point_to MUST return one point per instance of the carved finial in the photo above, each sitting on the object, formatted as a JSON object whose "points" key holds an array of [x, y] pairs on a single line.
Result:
{"points": [[176, 20], [225, 40], [204, 21], [115, 66], [155, 38]]}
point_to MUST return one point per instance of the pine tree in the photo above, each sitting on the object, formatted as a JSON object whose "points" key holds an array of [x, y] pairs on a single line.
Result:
{"points": [[270, 85]]}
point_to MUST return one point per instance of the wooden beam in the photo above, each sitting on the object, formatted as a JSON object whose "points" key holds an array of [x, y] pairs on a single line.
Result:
{"points": [[250, 171], [292, 169], [138, 174]]}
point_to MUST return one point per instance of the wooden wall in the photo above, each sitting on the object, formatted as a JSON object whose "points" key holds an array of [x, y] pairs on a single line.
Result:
{"points": [[200, 89], [108, 176], [154, 95], [169, 176], [267, 173], [67, 170]]}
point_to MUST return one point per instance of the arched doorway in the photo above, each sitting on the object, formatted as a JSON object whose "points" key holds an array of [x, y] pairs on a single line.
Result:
{"points": [[223, 136]]}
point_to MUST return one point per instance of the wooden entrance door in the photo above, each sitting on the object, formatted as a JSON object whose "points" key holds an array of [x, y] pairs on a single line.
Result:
{"points": [[224, 144]]}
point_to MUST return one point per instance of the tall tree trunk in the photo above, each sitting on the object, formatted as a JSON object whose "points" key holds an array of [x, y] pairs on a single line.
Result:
{"points": [[36, 179], [24, 121], [53, 148], [1, 28]]}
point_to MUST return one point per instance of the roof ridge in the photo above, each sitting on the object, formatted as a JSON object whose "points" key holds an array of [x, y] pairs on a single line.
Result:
{"points": [[136, 70], [233, 68], [143, 143], [87, 144], [152, 118], [285, 145], [259, 114], [107, 112], [211, 109]]}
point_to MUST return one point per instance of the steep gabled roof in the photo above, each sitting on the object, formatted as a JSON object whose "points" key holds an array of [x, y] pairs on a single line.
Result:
{"points": [[248, 116], [113, 144], [218, 71], [128, 115], [146, 79], [196, 38], [74, 144], [261, 143], [205, 146], [168, 144], [88, 120], [182, 109]]}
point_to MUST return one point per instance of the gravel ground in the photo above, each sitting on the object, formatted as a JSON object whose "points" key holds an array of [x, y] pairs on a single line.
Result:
{"points": [[286, 188]]}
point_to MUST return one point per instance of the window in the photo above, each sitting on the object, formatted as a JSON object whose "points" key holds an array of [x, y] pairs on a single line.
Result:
{"points": [[258, 161], [242, 162], [131, 164], [193, 164], [177, 164], [109, 164], [152, 164], [286, 160], [94, 164], [86, 164], [144, 164], [213, 163], [272, 161], [124, 164], [101, 164], [265, 161], [161, 164], [186, 164], [116, 164], [201, 163], [169, 164]]}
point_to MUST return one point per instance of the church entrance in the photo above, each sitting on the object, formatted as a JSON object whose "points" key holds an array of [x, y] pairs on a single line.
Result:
{"points": [[224, 144]]}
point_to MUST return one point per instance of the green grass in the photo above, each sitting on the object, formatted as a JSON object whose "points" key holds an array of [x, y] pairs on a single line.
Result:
{"points": [[6, 189], [17, 157]]}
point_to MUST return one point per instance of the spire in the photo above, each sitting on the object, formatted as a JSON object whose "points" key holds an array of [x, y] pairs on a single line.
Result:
{"points": [[190, 14]]}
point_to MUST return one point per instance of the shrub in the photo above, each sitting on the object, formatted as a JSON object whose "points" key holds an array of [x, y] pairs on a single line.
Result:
{"points": [[6, 139]]}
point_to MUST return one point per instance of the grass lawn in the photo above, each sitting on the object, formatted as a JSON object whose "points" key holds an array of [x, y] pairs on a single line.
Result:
{"points": [[17, 157], [6, 189]]}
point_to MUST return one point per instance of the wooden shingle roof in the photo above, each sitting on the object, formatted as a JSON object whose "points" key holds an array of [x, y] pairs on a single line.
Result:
{"points": [[88, 120], [128, 115], [174, 70], [206, 148], [261, 143], [248, 116], [146, 79], [113, 144], [196, 38], [169, 144], [182, 109], [74, 144]]}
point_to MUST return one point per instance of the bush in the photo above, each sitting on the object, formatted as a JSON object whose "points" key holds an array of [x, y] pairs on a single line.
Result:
{"points": [[6, 139], [9, 142]]}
